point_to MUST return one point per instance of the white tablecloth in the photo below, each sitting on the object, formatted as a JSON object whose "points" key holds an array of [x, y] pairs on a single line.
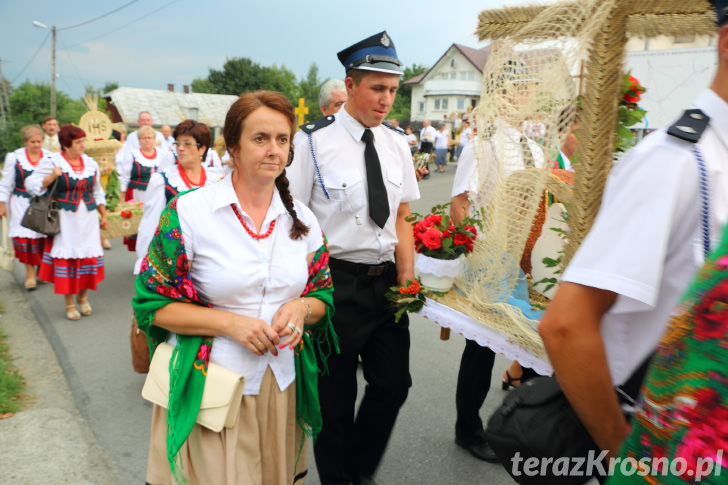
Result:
{"points": [[487, 337]]}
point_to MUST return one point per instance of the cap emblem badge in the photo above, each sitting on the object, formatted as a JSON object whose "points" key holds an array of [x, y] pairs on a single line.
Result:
{"points": [[385, 40]]}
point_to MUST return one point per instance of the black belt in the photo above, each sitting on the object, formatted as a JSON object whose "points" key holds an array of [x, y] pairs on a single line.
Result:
{"points": [[360, 268]]}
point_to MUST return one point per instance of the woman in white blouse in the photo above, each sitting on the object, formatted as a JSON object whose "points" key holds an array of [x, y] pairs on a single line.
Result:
{"points": [[192, 143], [73, 259], [14, 200], [244, 251]]}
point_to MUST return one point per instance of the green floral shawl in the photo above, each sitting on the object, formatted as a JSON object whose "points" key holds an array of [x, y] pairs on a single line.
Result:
{"points": [[682, 416], [164, 278]]}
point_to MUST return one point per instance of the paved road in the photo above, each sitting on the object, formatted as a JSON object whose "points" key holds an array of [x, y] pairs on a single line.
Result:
{"points": [[94, 355]]}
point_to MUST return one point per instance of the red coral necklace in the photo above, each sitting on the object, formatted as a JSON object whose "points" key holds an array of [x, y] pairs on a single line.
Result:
{"points": [[250, 231], [188, 182]]}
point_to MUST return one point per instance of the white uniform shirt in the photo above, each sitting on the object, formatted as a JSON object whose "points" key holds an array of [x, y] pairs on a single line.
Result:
{"points": [[234, 272], [508, 153], [428, 134], [155, 200], [16, 206], [465, 136], [645, 243], [344, 214]]}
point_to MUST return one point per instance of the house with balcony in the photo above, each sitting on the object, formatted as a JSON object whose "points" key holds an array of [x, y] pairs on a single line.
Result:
{"points": [[452, 84]]}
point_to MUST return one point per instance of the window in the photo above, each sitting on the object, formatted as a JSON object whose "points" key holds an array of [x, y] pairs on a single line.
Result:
{"points": [[444, 76], [437, 103], [444, 103], [453, 74], [461, 104], [463, 75], [471, 76], [422, 107]]}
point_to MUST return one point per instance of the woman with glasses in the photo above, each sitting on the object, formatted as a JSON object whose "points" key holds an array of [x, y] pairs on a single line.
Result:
{"points": [[192, 142]]}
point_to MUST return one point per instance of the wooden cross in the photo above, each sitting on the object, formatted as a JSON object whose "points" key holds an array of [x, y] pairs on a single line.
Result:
{"points": [[643, 18], [301, 111]]}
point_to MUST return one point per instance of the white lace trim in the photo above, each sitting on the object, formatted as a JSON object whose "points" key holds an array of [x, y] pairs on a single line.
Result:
{"points": [[19, 155], [438, 267], [485, 336], [90, 167]]}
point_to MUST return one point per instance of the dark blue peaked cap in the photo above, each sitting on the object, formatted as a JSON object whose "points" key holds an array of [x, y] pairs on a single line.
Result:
{"points": [[375, 53], [721, 10]]}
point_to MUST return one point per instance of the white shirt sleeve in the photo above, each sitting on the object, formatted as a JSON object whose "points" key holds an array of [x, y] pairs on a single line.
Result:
{"points": [[464, 172], [8, 181], [300, 173], [98, 191], [34, 184], [644, 203], [153, 206], [125, 164]]}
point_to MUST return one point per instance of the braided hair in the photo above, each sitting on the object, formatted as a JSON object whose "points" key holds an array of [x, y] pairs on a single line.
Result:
{"points": [[239, 111]]}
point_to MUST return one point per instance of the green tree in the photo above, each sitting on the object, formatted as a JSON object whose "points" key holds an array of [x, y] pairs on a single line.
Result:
{"points": [[403, 102], [240, 74], [30, 104], [310, 86]]}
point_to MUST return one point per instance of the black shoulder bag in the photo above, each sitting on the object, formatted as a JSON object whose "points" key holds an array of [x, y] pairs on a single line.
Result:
{"points": [[42, 214], [536, 421]]}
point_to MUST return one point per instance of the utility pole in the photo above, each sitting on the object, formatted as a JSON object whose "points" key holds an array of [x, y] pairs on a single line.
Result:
{"points": [[53, 75], [53, 64], [4, 106]]}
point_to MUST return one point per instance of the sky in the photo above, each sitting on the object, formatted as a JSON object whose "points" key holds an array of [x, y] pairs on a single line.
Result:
{"points": [[150, 43]]}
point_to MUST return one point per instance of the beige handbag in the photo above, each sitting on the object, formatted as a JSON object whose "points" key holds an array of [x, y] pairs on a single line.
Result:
{"points": [[7, 254], [221, 397]]}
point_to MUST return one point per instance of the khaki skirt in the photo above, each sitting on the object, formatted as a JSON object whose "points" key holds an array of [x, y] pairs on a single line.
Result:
{"points": [[266, 446]]}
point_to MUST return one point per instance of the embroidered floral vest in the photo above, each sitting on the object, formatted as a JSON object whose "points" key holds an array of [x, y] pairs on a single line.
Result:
{"points": [[70, 192], [20, 175]]}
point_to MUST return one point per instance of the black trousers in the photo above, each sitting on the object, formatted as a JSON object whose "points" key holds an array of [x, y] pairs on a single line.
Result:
{"points": [[476, 367], [353, 443], [426, 147]]}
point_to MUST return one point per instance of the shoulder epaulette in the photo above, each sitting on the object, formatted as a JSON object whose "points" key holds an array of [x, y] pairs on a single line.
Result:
{"points": [[690, 126], [394, 128], [314, 125]]}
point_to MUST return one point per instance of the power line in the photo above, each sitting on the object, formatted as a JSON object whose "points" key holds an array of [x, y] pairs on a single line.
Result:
{"points": [[145, 16], [99, 17], [31, 59]]}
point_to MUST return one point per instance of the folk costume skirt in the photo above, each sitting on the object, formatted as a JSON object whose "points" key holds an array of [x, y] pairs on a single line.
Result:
{"points": [[29, 250], [262, 448], [73, 259]]}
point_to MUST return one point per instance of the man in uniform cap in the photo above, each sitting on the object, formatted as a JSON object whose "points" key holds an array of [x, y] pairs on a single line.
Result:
{"points": [[357, 176], [655, 225]]}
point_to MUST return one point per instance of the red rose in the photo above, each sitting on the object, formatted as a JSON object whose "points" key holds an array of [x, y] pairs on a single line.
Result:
{"points": [[460, 239], [633, 93], [434, 219], [432, 238]]}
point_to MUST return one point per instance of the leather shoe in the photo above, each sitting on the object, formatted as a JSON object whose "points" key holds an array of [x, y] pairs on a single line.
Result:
{"points": [[481, 451]]}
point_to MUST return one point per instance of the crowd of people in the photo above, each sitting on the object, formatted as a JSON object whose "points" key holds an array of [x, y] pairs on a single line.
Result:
{"points": [[274, 264]]}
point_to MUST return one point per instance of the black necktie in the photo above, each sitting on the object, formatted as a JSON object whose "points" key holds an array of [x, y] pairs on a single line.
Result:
{"points": [[378, 205]]}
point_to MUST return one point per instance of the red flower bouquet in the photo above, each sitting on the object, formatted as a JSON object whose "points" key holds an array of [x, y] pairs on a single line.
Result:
{"points": [[438, 237], [629, 112], [408, 298]]}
